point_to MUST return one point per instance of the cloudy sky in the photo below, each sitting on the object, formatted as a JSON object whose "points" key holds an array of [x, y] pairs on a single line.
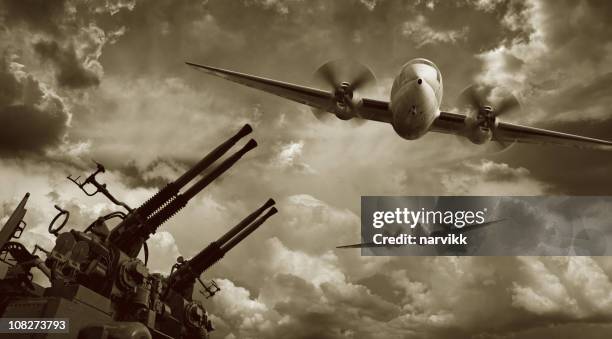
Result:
{"points": [[105, 80]]}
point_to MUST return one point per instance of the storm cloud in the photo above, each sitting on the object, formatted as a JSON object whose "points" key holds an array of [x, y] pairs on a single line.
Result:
{"points": [[32, 117], [70, 72]]}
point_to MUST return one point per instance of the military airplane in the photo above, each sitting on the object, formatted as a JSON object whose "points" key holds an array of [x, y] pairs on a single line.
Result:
{"points": [[413, 108], [427, 231]]}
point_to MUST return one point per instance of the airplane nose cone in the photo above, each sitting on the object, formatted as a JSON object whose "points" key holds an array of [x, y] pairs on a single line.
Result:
{"points": [[414, 107], [412, 97]]}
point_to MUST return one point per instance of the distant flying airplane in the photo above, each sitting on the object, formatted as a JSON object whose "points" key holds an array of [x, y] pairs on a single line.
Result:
{"points": [[414, 106], [433, 230]]}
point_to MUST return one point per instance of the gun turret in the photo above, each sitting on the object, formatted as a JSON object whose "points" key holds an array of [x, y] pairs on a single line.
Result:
{"points": [[183, 278], [131, 234]]}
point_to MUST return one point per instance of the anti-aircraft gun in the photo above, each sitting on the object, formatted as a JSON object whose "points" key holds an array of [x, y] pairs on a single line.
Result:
{"points": [[97, 273], [16, 261], [177, 288]]}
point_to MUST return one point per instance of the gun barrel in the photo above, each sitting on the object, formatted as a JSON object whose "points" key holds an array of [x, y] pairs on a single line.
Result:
{"points": [[184, 277], [217, 171], [248, 230], [172, 189], [234, 236], [245, 222], [181, 200], [13, 223], [213, 156]]}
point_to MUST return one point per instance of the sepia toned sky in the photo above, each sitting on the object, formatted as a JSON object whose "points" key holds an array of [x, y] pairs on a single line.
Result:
{"points": [[106, 80]]}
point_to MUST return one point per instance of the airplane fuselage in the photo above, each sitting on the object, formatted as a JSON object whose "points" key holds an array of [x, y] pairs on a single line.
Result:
{"points": [[415, 98]]}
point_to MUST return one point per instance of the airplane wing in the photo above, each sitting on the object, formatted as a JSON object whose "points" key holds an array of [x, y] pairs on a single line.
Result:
{"points": [[372, 244], [368, 245], [362, 245], [305, 95], [507, 133], [455, 230], [378, 110]]}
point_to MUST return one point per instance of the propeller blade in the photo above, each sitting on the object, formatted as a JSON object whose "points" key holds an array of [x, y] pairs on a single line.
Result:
{"points": [[508, 104], [334, 72], [321, 115], [476, 96], [327, 75], [470, 99], [489, 148], [363, 77], [496, 146]]}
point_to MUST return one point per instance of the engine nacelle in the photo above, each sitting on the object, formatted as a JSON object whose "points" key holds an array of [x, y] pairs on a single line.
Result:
{"points": [[349, 107], [476, 132]]}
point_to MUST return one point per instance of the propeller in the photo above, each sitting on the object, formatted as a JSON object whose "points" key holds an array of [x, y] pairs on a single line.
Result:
{"points": [[483, 105], [343, 77], [499, 100]]}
